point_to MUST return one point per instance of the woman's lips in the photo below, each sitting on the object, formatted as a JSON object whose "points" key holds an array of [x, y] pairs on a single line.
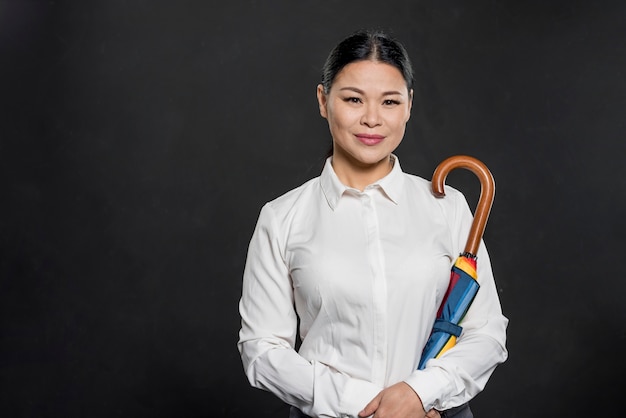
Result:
{"points": [[370, 139]]}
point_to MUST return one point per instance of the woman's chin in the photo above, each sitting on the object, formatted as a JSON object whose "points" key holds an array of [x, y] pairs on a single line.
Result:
{"points": [[372, 159]]}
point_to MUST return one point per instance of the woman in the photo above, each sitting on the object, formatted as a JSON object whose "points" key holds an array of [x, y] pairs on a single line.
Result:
{"points": [[361, 256]]}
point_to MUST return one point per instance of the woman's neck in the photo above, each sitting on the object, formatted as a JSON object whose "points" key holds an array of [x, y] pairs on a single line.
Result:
{"points": [[358, 175]]}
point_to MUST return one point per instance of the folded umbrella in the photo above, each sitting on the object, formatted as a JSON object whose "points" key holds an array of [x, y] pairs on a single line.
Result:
{"points": [[463, 278]]}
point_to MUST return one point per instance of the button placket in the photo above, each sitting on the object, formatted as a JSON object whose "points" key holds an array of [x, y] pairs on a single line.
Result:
{"points": [[379, 286]]}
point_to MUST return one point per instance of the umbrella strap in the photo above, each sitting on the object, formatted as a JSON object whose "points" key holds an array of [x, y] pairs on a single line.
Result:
{"points": [[448, 327]]}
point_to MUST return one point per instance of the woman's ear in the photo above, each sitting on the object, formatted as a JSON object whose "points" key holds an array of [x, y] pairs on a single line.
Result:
{"points": [[321, 100], [410, 104]]}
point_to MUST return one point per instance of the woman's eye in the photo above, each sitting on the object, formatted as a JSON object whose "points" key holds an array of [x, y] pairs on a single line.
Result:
{"points": [[390, 102], [352, 100]]}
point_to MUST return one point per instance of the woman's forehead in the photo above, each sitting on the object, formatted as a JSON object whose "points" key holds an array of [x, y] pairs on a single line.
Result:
{"points": [[372, 76]]}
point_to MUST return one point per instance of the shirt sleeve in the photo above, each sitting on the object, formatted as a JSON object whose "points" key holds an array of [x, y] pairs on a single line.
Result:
{"points": [[268, 333], [462, 372]]}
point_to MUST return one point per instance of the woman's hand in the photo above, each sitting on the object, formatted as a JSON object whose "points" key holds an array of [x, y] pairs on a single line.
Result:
{"points": [[433, 413], [397, 401]]}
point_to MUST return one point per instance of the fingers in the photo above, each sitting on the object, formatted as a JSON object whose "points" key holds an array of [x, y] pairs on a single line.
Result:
{"points": [[399, 400], [371, 407], [433, 413]]}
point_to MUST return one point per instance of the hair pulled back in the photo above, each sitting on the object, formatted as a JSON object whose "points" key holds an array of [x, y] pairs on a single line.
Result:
{"points": [[367, 45]]}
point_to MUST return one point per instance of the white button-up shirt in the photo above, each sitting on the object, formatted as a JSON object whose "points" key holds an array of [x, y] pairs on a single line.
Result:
{"points": [[364, 272]]}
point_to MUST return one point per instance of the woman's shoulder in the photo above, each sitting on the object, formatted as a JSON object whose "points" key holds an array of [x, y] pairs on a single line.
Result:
{"points": [[417, 181], [420, 194], [422, 185], [294, 197], [278, 214]]}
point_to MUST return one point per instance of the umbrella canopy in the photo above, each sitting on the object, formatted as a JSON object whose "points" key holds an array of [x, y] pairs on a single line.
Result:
{"points": [[463, 278]]}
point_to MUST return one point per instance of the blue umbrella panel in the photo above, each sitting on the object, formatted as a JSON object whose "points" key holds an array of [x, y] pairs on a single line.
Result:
{"points": [[457, 300]]}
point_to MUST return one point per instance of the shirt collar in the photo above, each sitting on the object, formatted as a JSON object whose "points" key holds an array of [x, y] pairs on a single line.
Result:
{"points": [[390, 185]]}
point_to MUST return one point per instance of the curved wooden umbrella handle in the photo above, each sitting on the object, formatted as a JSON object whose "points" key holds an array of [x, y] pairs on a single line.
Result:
{"points": [[487, 193]]}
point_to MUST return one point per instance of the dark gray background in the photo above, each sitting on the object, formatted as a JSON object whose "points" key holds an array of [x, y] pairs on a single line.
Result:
{"points": [[139, 140]]}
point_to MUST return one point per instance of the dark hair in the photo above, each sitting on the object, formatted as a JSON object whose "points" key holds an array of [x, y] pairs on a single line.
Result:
{"points": [[367, 45]]}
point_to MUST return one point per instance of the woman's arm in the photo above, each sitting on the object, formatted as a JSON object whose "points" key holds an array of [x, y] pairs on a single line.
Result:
{"points": [[268, 333], [462, 372]]}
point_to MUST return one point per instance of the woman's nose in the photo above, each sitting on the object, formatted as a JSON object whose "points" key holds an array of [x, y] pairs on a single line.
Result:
{"points": [[371, 116]]}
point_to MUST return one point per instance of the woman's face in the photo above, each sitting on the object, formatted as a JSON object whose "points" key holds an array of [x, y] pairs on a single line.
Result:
{"points": [[367, 109]]}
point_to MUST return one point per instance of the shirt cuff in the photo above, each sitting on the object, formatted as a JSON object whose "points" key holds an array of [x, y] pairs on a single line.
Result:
{"points": [[356, 395], [429, 385]]}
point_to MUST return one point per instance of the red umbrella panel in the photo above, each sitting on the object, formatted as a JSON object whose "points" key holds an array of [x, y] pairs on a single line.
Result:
{"points": [[463, 278]]}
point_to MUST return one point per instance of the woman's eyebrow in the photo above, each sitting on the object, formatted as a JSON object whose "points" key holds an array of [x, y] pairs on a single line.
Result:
{"points": [[354, 89], [357, 90], [392, 93]]}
